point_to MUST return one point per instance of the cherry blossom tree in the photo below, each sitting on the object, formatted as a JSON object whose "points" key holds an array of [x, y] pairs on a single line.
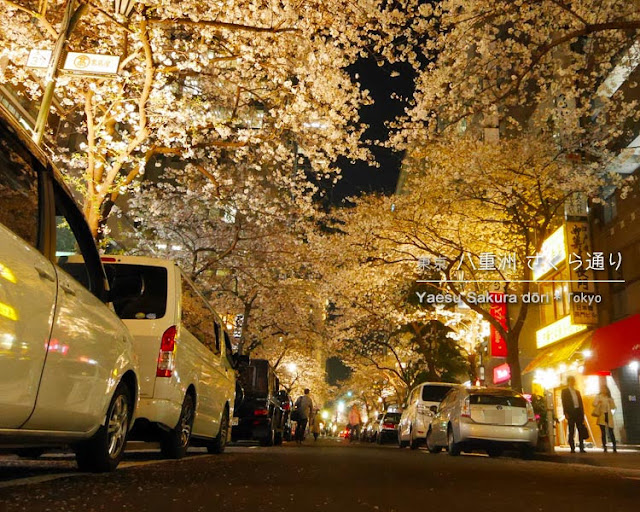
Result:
{"points": [[245, 82]]}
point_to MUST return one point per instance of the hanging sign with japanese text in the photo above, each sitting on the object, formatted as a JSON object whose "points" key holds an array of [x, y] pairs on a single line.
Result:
{"points": [[581, 266]]}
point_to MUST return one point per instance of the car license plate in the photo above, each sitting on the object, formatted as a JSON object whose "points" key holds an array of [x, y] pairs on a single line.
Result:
{"points": [[234, 422]]}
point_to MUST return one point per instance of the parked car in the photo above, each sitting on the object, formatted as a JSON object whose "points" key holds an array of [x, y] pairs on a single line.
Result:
{"points": [[421, 406], [372, 428], [68, 374], [388, 427], [490, 419], [262, 414], [187, 375]]}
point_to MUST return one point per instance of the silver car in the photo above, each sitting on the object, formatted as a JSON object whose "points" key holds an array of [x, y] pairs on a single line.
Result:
{"points": [[490, 419]]}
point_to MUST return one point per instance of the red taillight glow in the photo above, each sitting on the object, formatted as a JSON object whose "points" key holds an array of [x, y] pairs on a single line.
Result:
{"points": [[531, 415], [466, 409], [165, 357], [108, 259], [388, 425], [286, 407], [261, 412]]}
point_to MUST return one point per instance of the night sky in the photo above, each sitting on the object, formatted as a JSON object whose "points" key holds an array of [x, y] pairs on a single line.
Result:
{"points": [[360, 178]]}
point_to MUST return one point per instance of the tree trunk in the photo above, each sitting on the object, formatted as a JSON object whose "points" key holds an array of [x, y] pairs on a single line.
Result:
{"points": [[513, 358]]}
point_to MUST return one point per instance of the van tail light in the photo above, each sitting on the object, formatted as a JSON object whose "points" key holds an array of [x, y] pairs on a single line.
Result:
{"points": [[531, 415], [389, 425], [261, 412], [167, 352], [466, 408], [286, 406]]}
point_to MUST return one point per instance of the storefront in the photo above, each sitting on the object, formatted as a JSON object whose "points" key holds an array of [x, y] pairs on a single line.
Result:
{"points": [[615, 355]]}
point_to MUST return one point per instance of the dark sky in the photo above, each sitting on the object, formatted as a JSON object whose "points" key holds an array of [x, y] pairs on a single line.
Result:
{"points": [[360, 178]]}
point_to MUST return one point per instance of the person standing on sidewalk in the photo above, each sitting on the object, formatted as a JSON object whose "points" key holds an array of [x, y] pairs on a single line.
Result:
{"points": [[603, 407], [304, 408], [315, 424], [574, 412]]}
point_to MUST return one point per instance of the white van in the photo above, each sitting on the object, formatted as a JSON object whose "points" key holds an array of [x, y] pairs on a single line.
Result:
{"points": [[187, 375], [67, 367], [420, 409]]}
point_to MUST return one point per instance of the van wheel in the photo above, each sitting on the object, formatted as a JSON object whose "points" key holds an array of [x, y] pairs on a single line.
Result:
{"points": [[220, 442], [401, 443], [174, 443], [452, 447], [104, 450], [277, 439], [269, 439]]}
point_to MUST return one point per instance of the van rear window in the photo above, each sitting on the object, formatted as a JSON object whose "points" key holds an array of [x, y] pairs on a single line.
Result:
{"points": [[143, 290]]}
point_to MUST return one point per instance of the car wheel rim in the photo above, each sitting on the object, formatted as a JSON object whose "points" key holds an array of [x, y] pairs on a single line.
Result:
{"points": [[117, 426], [185, 425]]}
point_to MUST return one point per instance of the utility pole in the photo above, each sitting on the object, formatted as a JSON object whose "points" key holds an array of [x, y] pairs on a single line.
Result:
{"points": [[69, 21]]}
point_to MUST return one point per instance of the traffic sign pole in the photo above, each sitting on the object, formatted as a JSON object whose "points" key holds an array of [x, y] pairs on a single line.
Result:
{"points": [[71, 17]]}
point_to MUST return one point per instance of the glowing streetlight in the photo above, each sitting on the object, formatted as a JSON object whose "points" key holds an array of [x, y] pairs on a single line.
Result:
{"points": [[340, 406], [292, 367]]}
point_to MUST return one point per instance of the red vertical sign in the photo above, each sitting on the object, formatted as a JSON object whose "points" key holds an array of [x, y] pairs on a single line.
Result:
{"points": [[499, 312]]}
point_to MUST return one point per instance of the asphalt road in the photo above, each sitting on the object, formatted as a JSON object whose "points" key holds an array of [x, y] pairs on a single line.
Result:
{"points": [[330, 475]]}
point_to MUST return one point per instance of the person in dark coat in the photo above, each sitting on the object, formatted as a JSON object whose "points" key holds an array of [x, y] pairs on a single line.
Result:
{"points": [[573, 411]]}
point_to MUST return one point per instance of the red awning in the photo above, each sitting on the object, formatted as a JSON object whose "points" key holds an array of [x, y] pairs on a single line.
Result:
{"points": [[614, 346]]}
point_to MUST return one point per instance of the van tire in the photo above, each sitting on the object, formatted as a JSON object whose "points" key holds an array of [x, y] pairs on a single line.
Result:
{"points": [[269, 439], [277, 439], [103, 452], [220, 442], [175, 443]]}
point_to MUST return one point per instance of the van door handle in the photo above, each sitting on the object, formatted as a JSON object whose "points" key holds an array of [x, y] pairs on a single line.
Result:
{"points": [[67, 289], [44, 274]]}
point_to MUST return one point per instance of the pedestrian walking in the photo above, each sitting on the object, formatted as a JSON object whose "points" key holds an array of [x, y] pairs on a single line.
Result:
{"points": [[304, 408], [355, 420], [574, 412], [315, 424], [603, 408]]}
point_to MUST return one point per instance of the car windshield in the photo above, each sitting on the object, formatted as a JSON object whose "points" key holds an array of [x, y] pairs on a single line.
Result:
{"points": [[434, 393], [509, 401]]}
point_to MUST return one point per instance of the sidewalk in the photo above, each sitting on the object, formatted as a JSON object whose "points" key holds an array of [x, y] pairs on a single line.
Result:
{"points": [[628, 457]]}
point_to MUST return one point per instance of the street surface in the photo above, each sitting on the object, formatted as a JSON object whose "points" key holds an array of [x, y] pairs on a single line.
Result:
{"points": [[328, 475]]}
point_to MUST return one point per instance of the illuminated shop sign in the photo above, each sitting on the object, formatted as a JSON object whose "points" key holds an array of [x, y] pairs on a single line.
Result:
{"points": [[557, 331], [501, 373]]}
